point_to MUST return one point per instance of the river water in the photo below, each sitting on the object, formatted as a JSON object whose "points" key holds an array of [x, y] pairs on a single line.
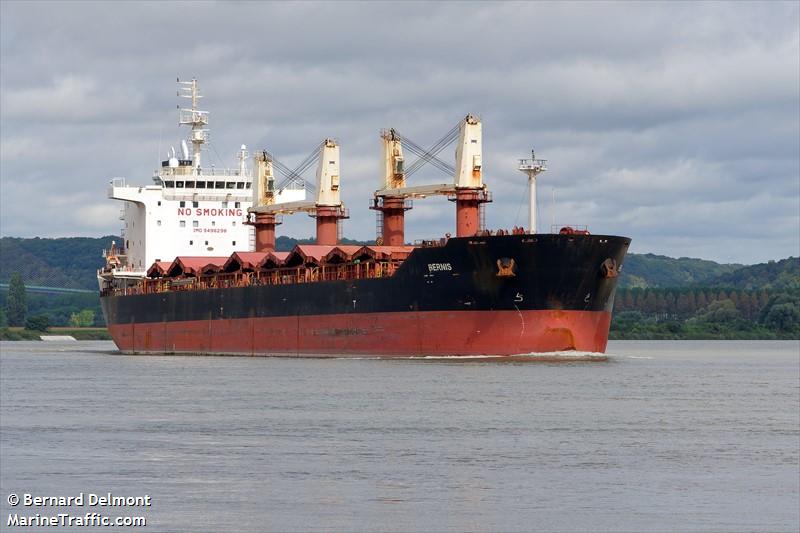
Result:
{"points": [[665, 436]]}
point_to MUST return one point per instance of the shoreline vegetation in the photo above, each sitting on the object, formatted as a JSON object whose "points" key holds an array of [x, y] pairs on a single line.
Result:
{"points": [[658, 297], [706, 314], [79, 334]]}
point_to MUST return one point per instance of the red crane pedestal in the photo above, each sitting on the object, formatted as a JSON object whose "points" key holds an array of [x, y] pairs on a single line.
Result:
{"points": [[468, 203], [328, 224], [393, 209], [264, 224]]}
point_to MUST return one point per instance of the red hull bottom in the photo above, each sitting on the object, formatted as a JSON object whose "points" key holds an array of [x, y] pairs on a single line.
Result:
{"points": [[412, 334]]}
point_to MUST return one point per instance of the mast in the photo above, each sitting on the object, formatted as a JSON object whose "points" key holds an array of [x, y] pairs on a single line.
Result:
{"points": [[532, 167], [195, 118]]}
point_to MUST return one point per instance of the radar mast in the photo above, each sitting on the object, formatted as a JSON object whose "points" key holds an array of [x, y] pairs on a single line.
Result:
{"points": [[195, 118], [532, 167]]}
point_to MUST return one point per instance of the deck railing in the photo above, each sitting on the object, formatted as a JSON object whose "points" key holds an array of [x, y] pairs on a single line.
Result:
{"points": [[276, 276]]}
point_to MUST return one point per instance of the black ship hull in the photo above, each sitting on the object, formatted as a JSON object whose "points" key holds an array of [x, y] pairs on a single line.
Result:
{"points": [[489, 295]]}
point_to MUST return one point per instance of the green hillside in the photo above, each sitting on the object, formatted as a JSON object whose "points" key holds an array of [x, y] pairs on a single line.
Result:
{"points": [[777, 275], [678, 299], [66, 262], [650, 271]]}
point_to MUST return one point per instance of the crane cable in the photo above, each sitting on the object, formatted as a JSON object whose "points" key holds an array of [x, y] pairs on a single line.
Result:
{"points": [[429, 155], [295, 176], [422, 153]]}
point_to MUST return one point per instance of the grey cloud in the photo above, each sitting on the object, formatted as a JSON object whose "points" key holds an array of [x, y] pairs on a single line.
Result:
{"points": [[674, 123]]}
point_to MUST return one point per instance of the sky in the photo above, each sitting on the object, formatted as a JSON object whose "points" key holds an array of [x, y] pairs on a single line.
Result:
{"points": [[675, 124]]}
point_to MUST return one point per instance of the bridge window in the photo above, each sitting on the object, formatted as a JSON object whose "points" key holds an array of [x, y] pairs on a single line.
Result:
{"points": [[219, 184], [179, 185], [169, 184], [230, 185], [201, 185], [240, 185], [189, 184]]}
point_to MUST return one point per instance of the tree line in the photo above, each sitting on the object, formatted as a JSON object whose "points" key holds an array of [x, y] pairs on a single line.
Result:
{"points": [[38, 312], [706, 313], [686, 302]]}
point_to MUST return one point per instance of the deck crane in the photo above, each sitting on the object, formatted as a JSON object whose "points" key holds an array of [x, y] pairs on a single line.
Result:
{"points": [[327, 207], [467, 188], [392, 208]]}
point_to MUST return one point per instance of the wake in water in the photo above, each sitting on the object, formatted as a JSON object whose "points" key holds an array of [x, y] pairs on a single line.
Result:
{"points": [[565, 356]]}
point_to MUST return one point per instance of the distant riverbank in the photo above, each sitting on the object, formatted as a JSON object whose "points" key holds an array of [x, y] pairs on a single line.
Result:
{"points": [[81, 334]]}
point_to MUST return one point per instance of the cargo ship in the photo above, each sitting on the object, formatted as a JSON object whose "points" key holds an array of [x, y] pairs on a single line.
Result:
{"points": [[481, 293]]}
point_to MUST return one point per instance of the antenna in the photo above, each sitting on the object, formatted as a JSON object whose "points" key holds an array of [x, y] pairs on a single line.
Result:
{"points": [[242, 155], [195, 118], [532, 167]]}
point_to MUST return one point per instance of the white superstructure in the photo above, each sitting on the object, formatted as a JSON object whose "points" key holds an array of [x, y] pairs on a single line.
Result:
{"points": [[190, 209]]}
